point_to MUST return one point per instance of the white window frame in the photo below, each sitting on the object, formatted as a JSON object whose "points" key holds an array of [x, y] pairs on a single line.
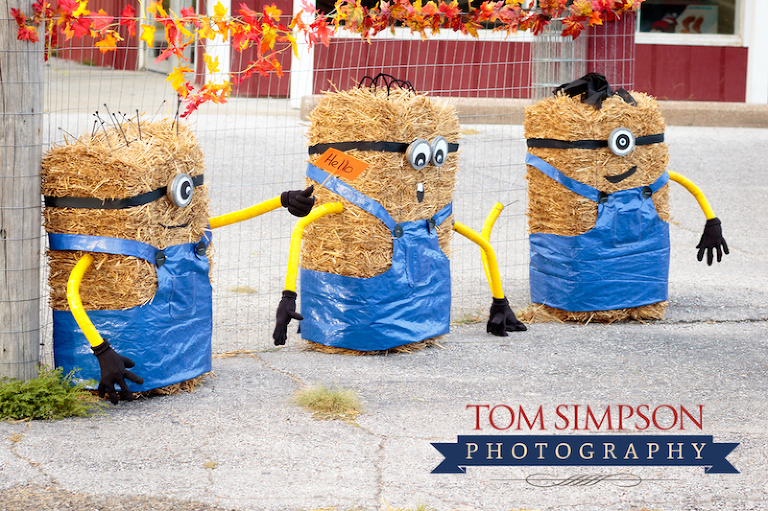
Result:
{"points": [[737, 39]]}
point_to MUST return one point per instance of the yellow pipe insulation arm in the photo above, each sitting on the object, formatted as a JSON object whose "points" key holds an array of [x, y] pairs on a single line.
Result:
{"points": [[490, 220], [247, 213], [695, 191], [296, 235], [494, 279], [76, 305]]}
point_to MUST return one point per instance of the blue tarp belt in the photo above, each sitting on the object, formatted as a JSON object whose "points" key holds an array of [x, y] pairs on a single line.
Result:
{"points": [[107, 245]]}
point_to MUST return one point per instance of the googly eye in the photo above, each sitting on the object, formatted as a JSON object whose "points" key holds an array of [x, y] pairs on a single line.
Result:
{"points": [[419, 153], [621, 141], [439, 151], [180, 191]]}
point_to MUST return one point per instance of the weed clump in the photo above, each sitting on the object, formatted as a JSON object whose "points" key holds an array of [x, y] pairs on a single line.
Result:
{"points": [[52, 395], [330, 404]]}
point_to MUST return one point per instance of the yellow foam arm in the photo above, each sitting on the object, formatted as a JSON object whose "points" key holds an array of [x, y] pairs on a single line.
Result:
{"points": [[494, 278], [247, 213], [298, 232], [695, 191], [76, 305], [490, 220]]}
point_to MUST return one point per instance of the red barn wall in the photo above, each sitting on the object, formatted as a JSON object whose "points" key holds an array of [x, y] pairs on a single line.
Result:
{"points": [[692, 73]]}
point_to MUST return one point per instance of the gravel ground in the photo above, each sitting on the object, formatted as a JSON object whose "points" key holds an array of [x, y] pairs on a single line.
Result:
{"points": [[55, 498]]}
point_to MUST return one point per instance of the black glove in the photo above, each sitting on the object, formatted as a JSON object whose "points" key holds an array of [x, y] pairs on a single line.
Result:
{"points": [[502, 319], [712, 239], [286, 310], [113, 371], [298, 202]]}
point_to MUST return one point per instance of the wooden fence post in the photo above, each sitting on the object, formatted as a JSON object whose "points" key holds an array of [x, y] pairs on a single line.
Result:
{"points": [[21, 111]]}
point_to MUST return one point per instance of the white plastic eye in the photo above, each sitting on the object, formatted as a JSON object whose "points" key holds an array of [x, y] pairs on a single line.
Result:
{"points": [[419, 153], [621, 141], [180, 191], [439, 151]]}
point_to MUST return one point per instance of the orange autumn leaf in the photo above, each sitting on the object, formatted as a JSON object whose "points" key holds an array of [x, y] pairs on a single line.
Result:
{"points": [[271, 11], [108, 43]]}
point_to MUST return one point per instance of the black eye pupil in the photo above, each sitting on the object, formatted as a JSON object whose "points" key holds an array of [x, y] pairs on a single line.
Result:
{"points": [[421, 159], [186, 188], [439, 157]]}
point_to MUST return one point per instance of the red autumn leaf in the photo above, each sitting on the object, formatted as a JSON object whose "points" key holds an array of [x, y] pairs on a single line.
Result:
{"points": [[67, 6], [128, 19], [42, 8], [80, 26], [572, 27], [449, 10], [188, 12], [130, 12], [19, 16], [28, 33], [101, 20], [552, 7], [537, 23], [250, 17], [320, 31]]}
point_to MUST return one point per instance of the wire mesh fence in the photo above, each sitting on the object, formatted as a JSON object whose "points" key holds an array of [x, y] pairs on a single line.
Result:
{"points": [[255, 145]]}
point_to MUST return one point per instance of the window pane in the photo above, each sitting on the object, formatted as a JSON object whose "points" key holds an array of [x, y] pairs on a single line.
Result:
{"points": [[688, 16]]}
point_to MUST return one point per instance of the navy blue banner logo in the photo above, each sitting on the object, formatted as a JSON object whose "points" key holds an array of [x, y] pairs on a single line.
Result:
{"points": [[585, 450]]}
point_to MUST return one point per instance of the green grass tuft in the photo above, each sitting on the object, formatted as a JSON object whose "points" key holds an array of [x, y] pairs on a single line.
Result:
{"points": [[330, 404], [51, 395]]}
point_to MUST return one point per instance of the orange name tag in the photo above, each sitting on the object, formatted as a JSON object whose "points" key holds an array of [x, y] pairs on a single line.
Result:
{"points": [[340, 163]]}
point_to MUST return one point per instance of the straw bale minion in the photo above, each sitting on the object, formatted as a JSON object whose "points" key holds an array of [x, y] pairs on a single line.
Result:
{"points": [[374, 268], [130, 201], [598, 211]]}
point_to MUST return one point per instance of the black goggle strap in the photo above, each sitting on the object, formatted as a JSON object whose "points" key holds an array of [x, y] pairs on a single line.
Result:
{"points": [[388, 147], [551, 143], [130, 202]]}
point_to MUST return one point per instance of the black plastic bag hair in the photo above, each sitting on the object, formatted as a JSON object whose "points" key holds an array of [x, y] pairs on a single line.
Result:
{"points": [[593, 89]]}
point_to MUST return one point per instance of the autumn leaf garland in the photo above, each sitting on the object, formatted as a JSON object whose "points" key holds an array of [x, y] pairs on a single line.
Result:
{"points": [[264, 32]]}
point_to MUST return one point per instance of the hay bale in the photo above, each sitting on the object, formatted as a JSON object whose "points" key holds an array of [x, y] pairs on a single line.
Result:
{"points": [[104, 167], [552, 208], [356, 243], [171, 348]]}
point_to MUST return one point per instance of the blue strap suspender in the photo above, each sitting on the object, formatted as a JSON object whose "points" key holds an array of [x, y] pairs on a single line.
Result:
{"points": [[342, 189]]}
